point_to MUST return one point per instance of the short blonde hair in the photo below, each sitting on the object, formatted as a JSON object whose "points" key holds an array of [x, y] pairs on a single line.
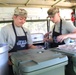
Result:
{"points": [[52, 11]]}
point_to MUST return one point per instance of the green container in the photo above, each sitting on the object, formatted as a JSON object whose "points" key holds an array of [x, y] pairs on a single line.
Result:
{"points": [[71, 54], [74, 62], [38, 62]]}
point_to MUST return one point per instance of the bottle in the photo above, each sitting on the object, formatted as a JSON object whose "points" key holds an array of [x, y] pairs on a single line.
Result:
{"points": [[69, 41], [46, 45]]}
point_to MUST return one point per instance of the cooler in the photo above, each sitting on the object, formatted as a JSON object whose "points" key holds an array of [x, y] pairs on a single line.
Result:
{"points": [[71, 53], [38, 62], [74, 62]]}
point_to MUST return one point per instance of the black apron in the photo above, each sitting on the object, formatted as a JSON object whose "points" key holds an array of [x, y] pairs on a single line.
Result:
{"points": [[21, 41], [54, 36]]}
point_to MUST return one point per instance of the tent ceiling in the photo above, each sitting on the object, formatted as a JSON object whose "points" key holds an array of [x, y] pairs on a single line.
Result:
{"points": [[38, 3]]}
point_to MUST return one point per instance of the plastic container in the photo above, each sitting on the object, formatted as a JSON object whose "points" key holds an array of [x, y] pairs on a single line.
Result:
{"points": [[74, 62], [38, 62], [3, 59]]}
